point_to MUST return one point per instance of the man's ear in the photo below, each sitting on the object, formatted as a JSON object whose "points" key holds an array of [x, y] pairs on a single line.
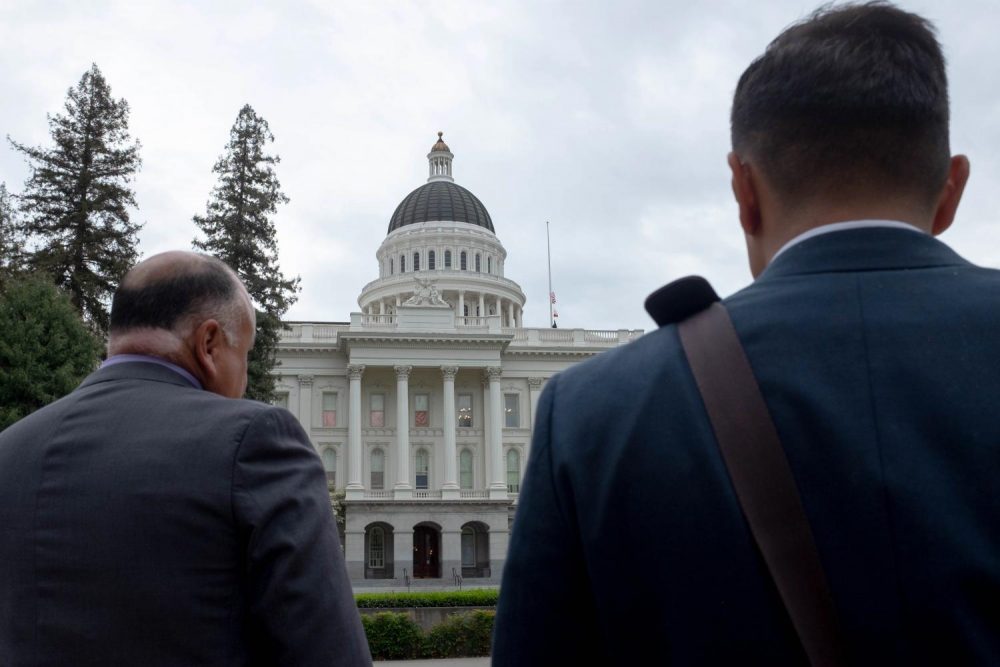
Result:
{"points": [[745, 192], [208, 340], [951, 194]]}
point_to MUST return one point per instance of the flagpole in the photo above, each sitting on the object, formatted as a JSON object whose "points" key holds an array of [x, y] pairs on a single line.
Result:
{"points": [[548, 249]]}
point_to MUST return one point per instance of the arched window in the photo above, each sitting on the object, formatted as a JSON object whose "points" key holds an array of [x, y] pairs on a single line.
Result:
{"points": [[513, 471], [378, 470], [462, 263], [430, 260], [416, 261], [402, 263], [465, 469], [330, 465], [391, 266], [423, 468], [447, 259], [489, 265], [479, 267], [376, 548]]}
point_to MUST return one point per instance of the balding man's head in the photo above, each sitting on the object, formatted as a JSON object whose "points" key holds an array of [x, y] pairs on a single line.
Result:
{"points": [[188, 308], [173, 291]]}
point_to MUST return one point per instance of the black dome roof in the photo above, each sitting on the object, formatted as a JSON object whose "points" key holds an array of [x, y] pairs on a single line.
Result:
{"points": [[440, 200]]}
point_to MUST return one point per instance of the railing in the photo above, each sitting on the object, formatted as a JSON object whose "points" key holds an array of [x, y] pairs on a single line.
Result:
{"points": [[378, 494], [471, 321], [599, 336], [473, 494], [518, 334], [294, 331], [512, 496], [427, 495], [456, 577], [324, 332], [406, 579], [378, 320], [556, 335]]}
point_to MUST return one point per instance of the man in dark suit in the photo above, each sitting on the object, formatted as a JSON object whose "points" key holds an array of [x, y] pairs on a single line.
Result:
{"points": [[877, 350], [151, 518]]}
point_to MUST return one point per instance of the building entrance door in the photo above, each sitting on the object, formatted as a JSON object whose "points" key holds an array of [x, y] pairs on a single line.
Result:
{"points": [[426, 553]]}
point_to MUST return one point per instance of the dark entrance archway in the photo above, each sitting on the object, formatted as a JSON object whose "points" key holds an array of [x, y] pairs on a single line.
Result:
{"points": [[426, 551]]}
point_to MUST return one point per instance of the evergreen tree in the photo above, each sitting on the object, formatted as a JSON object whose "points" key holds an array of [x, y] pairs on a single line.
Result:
{"points": [[11, 242], [75, 206], [239, 230], [45, 349]]}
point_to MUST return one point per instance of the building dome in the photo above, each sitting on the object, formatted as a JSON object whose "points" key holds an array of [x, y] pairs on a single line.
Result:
{"points": [[440, 201]]}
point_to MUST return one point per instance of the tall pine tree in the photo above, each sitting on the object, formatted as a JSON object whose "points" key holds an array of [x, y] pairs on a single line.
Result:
{"points": [[76, 203], [239, 230], [11, 241]]}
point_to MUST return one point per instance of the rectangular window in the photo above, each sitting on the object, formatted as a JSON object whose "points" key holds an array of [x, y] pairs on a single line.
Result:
{"points": [[421, 411], [423, 470], [511, 411], [376, 414], [329, 409], [468, 548], [465, 410], [447, 259]]}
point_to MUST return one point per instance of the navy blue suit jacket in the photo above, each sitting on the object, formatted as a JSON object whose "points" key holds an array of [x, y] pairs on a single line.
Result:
{"points": [[878, 354], [146, 522]]}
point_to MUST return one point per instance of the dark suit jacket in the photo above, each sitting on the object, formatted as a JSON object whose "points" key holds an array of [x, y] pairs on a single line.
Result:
{"points": [[144, 522], [878, 353]]}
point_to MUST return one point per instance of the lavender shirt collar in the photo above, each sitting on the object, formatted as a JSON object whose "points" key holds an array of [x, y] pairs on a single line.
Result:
{"points": [[142, 358]]}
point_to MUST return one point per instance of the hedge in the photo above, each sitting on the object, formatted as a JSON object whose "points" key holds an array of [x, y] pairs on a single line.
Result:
{"points": [[480, 597], [394, 636]]}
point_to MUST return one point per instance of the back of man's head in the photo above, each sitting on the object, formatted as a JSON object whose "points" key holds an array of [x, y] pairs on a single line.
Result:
{"points": [[851, 101], [175, 291]]}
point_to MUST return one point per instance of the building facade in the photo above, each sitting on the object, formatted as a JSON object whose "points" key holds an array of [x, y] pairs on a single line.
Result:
{"points": [[421, 406]]}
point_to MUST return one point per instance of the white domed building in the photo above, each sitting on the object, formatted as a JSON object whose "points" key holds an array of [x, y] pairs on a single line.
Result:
{"points": [[421, 406]]}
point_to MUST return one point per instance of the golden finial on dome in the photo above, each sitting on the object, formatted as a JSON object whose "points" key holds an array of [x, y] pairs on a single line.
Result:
{"points": [[440, 145]]}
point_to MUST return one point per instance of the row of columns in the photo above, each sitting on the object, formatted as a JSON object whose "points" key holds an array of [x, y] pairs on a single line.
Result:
{"points": [[514, 311], [450, 489]]}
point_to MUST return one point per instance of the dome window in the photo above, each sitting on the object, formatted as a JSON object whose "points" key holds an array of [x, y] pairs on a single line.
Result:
{"points": [[392, 266], [489, 265], [416, 261], [447, 259], [463, 262], [430, 260], [402, 263], [479, 263]]}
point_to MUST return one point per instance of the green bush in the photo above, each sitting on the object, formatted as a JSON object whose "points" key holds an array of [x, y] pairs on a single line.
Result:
{"points": [[392, 636], [461, 635], [480, 597]]}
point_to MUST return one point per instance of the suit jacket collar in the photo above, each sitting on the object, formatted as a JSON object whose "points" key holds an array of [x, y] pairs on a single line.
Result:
{"points": [[871, 249], [135, 370]]}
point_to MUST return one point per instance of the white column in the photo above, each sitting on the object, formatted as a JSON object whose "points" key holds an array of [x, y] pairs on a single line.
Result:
{"points": [[355, 488], [520, 318], [403, 488], [305, 403], [498, 488], [482, 305], [499, 312], [510, 314], [534, 389], [449, 490], [461, 304], [397, 302], [381, 306]]}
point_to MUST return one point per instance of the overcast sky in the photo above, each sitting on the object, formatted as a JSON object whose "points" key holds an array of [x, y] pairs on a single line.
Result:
{"points": [[609, 119]]}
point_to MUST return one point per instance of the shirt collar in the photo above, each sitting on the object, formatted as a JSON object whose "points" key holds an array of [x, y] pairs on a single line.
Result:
{"points": [[147, 359], [844, 226]]}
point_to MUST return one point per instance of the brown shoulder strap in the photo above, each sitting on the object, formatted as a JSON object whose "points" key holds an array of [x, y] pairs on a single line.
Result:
{"points": [[762, 479]]}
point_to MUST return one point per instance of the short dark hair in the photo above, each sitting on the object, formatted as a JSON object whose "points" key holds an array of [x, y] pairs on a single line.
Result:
{"points": [[163, 302], [853, 97]]}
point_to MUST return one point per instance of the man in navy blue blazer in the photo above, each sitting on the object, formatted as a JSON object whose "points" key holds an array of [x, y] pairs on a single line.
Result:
{"points": [[877, 350], [152, 519]]}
